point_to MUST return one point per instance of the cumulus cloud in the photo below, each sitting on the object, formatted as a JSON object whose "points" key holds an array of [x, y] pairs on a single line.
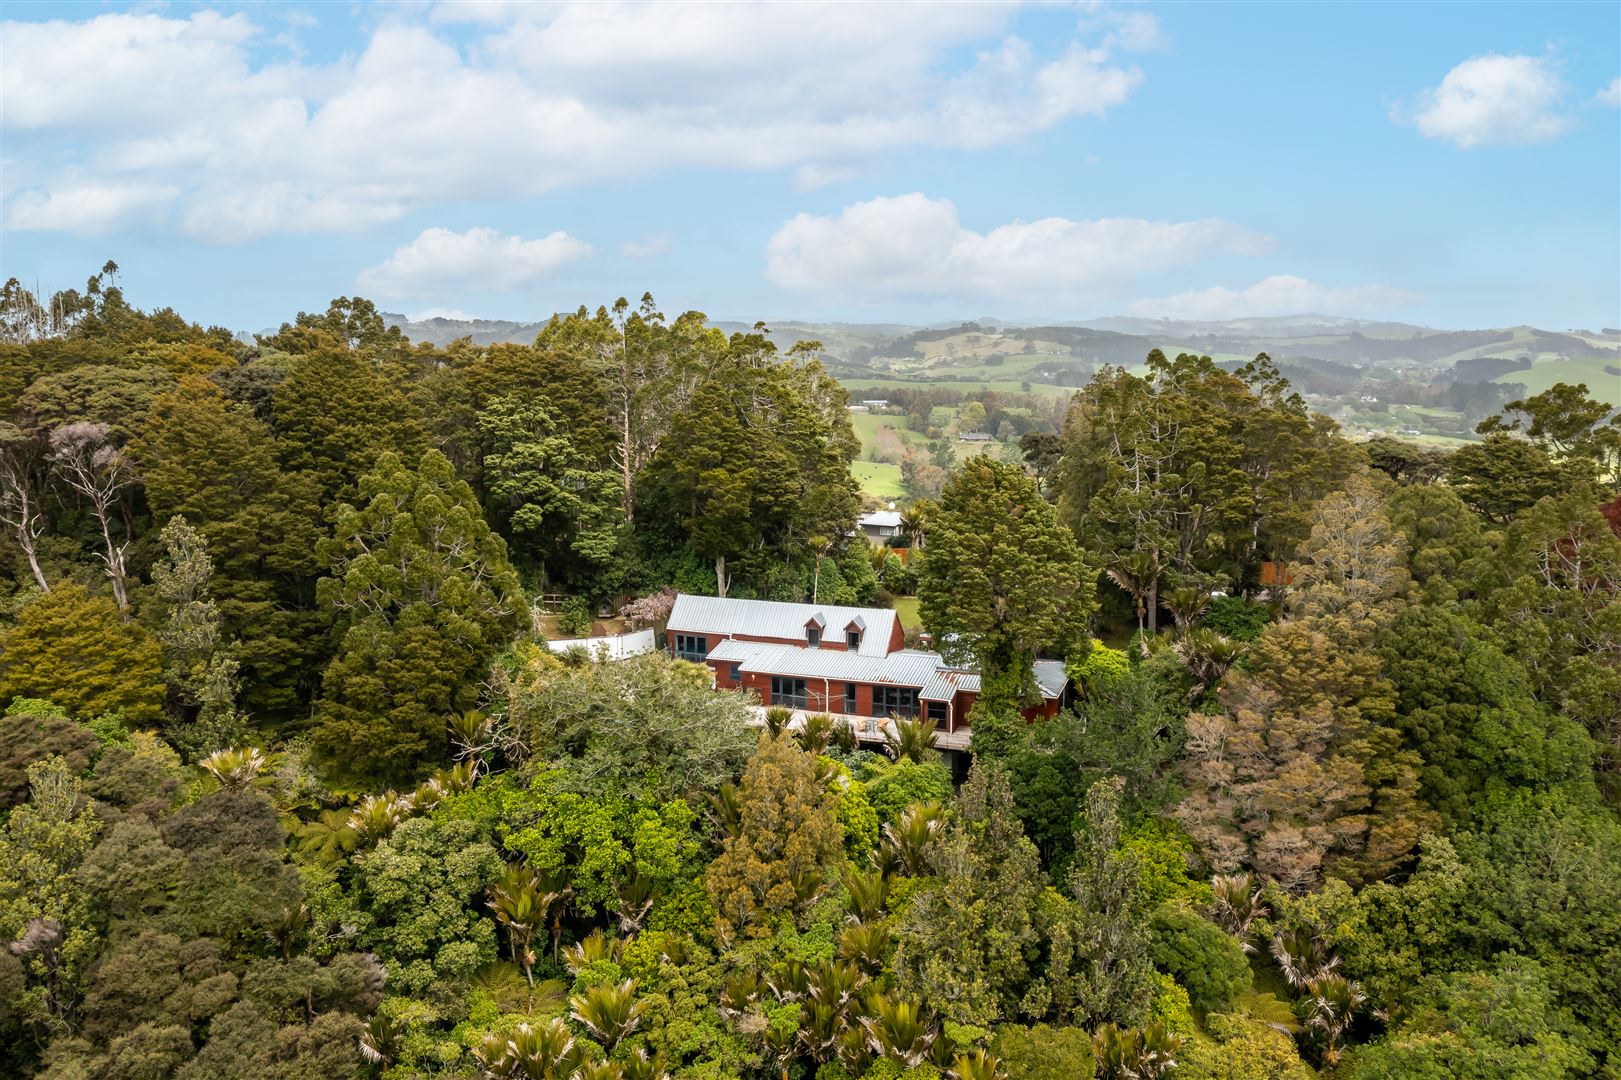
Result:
{"points": [[1281, 294], [1492, 99], [1611, 95], [89, 209], [519, 99], [440, 261], [913, 245]]}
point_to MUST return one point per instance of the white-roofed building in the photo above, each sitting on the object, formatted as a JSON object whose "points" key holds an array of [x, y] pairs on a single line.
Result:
{"points": [[850, 662], [880, 526]]}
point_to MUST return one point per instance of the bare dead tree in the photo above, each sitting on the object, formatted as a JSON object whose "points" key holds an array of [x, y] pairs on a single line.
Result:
{"points": [[100, 473], [20, 512]]}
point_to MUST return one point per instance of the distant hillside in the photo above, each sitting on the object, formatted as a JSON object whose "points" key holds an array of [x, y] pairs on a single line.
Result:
{"points": [[1065, 354]]}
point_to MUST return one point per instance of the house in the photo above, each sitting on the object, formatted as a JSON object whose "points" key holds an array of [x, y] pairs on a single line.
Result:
{"points": [[876, 403], [974, 436], [880, 526], [850, 662]]}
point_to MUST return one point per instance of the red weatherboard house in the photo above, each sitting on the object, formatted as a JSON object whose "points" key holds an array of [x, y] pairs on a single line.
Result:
{"points": [[850, 662]]}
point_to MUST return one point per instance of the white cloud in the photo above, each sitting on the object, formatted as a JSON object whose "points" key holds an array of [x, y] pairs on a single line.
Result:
{"points": [[912, 245], [479, 260], [525, 98], [815, 177], [88, 209], [1611, 95], [648, 247], [1493, 99], [1281, 294]]}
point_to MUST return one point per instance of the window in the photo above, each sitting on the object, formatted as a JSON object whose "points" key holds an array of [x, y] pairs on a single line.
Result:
{"points": [[813, 636], [937, 711], [788, 692], [900, 700], [691, 646], [850, 697], [852, 638], [736, 673]]}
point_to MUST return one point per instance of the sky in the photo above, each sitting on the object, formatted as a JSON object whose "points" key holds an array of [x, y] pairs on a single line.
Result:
{"points": [[1452, 165]]}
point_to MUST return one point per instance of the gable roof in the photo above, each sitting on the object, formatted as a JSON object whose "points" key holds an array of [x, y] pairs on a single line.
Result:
{"points": [[724, 617]]}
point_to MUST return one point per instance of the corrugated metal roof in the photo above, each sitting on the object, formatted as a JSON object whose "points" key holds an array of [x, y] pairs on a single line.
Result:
{"points": [[722, 616], [1051, 677], [901, 668], [890, 519]]}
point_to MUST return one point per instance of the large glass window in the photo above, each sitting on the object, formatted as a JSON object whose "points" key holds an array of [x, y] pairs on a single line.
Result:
{"points": [[850, 697], [900, 700], [789, 693], [691, 646], [937, 711]]}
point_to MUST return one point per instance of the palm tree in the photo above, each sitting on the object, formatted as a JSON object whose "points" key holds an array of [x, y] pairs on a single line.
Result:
{"points": [[380, 1041], [1207, 655], [814, 735], [1332, 1004], [287, 926], [1302, 958], [915, 523], [376, 817], [726, 808], [520, 905], [865, 945], [599, 1070], [980, 1065], [908, 838], [738, 995], [235, 769], [530, 1052], [1186, 604], [868, 892], [505, 984], [594, 948], [609, 1012], [777, 720], [1136, 574], [1135, 1053], [471, 734], [640, 1065], [910, 739], [844, 736], [1236, 905], [899, 1030]]}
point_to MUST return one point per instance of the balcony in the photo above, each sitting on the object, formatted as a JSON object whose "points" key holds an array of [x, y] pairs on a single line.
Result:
{"points": [[870, 730]]}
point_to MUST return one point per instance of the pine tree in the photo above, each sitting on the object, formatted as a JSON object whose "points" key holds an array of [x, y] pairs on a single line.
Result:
{"points": [[425, 594], [1002, 580]]}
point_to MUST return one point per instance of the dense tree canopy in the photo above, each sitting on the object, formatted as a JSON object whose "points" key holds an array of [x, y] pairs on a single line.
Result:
{"points": [[291, 786]]}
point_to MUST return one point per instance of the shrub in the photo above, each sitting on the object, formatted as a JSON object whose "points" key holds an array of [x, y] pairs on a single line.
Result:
{"points": [[1204, 958]]}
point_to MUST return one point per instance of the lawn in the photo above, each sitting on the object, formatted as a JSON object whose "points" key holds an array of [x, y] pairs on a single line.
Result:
{"points": [[878, 478], [907, 608]]}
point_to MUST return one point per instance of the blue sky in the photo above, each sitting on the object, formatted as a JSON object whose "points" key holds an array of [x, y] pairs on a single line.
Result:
{"points": [[1447, 164]]}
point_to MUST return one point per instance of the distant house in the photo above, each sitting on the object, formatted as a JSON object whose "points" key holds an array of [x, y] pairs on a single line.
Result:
{"points": [[974, 436], [880, 526], [846, 661], [876, 403]]}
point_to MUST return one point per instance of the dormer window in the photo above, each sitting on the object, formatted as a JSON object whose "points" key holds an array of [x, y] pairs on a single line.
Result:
{"points": [[852, 633], [813, 631]]}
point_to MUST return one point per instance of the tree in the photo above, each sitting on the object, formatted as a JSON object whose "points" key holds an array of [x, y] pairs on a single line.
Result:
{"points": [[968, 939], [21, 489], [1570, 426], [100, 473], [76, 650], [1353, 566], [787, 836], [200, 668], [1501, 475], [561, 510], [1201, 956], [1003, 580], [647, 724], [1447, 550], [1098, 967], [212, 462], [426, 595]]}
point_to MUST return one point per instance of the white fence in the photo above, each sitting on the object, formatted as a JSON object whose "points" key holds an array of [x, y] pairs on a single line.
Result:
{"points": [[617, 647]]}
